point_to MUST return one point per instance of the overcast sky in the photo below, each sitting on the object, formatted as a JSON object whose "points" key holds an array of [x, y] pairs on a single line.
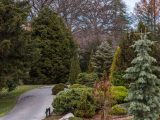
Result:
{"points": [[130, 4]]}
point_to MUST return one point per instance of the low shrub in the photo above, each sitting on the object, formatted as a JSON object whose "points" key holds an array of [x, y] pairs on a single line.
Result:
{"points": [[119, 93], [57, 88], [78, 86], [76, 100], [87, 79], [118, 110], [11, 84]]}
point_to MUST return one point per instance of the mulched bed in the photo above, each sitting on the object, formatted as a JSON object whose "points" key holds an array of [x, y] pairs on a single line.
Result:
{"points": [[96, 117], [122, 118]]}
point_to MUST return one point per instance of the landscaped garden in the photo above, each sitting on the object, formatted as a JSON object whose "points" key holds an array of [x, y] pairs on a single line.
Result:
{"points": [[102, 59]]}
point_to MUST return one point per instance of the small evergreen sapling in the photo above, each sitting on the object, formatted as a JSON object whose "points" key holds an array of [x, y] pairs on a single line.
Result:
{"points": [[144, 93]]}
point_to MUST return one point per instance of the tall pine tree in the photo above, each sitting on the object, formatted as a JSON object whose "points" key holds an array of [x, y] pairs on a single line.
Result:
{"points": [[144, 94], [57, 48]]}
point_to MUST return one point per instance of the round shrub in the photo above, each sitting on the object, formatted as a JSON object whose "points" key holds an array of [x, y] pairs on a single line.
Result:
{"points": [[57, 88], [76, 100], [119, 93], [87, 79], [118, 110]]}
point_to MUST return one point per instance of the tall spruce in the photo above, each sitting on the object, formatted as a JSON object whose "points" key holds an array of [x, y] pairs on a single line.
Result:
{"points": [[13, 41], [102, 59], [57, 48], [144, 94]]}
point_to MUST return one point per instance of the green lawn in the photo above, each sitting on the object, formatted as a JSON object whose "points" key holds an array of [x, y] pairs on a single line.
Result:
{"points": [[8, 100]]}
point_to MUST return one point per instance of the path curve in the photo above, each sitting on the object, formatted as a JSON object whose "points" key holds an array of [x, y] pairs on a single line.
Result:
{"points": [[31, 105]]}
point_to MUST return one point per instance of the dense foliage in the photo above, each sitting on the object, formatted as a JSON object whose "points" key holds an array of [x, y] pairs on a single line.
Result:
{"points": [[58, 87], [102, 59], [119, 93], [144, 90], [74, 69], [14, 59], [127, 53], [115, 63], [118, 79], [87, 79], [57, 48], [118, 110], [77, 86], [76, 100], [116, 71]]}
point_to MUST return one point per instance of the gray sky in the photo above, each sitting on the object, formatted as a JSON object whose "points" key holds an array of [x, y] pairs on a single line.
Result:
{"points": [[130, 4]]}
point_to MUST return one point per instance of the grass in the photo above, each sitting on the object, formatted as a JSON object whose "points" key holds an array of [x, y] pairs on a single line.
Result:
{"points": [[8, 100]]}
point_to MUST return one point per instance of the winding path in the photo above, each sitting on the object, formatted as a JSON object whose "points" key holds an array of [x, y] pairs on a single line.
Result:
{"points": [[31, 105]]}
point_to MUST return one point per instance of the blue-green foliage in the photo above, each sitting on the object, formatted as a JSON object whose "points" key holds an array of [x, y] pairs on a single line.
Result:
{"points": [[102, 59], [144, 93]]}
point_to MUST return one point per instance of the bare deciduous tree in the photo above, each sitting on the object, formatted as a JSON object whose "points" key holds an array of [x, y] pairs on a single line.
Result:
{"points": [[148, 11]]}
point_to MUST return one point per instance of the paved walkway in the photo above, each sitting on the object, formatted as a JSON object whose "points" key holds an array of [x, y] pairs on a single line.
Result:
{"points": [[31, 105]]}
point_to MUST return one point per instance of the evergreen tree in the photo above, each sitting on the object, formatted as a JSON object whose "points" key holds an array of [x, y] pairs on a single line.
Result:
{"points": [[127, 53], [13, 62], [90, 67], [102, 59], [115, 63], [57, 48], [75, 69], [144, 93]]}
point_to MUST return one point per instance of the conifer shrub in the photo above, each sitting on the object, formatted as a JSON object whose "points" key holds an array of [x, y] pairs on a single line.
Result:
{"points": [[102, 59], [115, 63], [119, 93], [118, 80], [144, 91], [74, 69], [118, 110], [76, 100], [87, 79], [11, 85], [58, 87], [78, 86], [56, 46], [15, 55]]}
